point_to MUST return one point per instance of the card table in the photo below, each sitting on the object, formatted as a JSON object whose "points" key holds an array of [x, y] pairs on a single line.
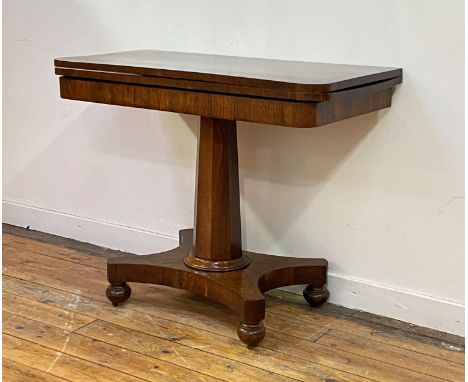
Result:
{"points": [[222, 90]]}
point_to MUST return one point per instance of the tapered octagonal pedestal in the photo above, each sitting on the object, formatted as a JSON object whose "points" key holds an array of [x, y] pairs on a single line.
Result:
{"points": [[210, 260]]}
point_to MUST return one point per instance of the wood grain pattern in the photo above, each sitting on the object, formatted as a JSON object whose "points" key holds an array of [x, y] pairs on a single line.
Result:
{"points": [[58, 364], [217, 244], [279, 314], [165, 327], [292, 75], [17, 372], [215, 87], [423, 364], [404, 339], [272, 111], [149, 328], [98, 352], [61, 318], [241, 290]]}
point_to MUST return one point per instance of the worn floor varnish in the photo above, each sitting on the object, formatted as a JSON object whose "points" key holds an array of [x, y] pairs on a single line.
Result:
{"points": [[59, 326]]}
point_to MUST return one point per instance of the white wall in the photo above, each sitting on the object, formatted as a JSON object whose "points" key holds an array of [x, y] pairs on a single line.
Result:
{"points": [[379, 195]]}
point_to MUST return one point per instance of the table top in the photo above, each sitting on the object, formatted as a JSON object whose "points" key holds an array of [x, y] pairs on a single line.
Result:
{"points": [[208, 70], [284, 93]]}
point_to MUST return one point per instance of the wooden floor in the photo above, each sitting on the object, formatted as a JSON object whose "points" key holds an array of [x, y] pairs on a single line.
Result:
{"points": [[59, 326]]}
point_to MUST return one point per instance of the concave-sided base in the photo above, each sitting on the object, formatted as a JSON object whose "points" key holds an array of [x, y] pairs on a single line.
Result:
{"points": [[240, 290]]}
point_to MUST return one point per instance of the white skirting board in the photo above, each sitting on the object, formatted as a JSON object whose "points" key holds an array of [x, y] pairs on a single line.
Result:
{"points": [[87, 230], [404, 305]]}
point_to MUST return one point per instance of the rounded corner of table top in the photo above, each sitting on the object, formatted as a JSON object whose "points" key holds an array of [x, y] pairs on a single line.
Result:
{"points": [[289, 93]]}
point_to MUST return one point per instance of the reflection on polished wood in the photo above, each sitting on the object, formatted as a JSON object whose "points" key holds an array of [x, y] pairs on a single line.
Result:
{"points": [[294, 76]]}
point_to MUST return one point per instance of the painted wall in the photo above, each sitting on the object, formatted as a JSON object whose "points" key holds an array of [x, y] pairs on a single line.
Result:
{"points": [[380, 196]]}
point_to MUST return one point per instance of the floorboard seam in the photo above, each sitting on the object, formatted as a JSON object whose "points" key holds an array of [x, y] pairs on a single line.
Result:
{"points": [[33, 368], [103, 269], [392, 364], [366, 323], [86, 360], [277, 351], [163, 339]]}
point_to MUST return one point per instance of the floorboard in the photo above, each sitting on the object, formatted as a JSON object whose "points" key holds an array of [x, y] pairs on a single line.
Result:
{"points": [[59, 326]]}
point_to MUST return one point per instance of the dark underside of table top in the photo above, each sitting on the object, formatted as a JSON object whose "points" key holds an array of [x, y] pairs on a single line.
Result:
{"points": [[287, 93]]}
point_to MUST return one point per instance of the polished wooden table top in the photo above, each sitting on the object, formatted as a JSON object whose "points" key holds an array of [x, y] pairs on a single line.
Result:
{"points": [[259, 72], [295, 80], [286, 93]]}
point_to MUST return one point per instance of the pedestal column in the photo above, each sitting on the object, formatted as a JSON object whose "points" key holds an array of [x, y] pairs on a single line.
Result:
{"points": [[217, 243]]}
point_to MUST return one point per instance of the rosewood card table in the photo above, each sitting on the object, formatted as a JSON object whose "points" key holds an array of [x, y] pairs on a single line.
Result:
{"points": [[222, 90]]}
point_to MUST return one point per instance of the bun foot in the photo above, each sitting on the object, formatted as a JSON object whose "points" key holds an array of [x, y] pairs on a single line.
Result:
{"points": [[251, 334], [316, 296], [117, 293]]}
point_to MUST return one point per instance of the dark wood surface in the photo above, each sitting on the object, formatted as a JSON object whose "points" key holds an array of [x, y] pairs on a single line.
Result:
{"points": [[240, 290], [272, 111], [284, 93], [223, 90], [293, 75], [214, 87], [218, 243]]}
